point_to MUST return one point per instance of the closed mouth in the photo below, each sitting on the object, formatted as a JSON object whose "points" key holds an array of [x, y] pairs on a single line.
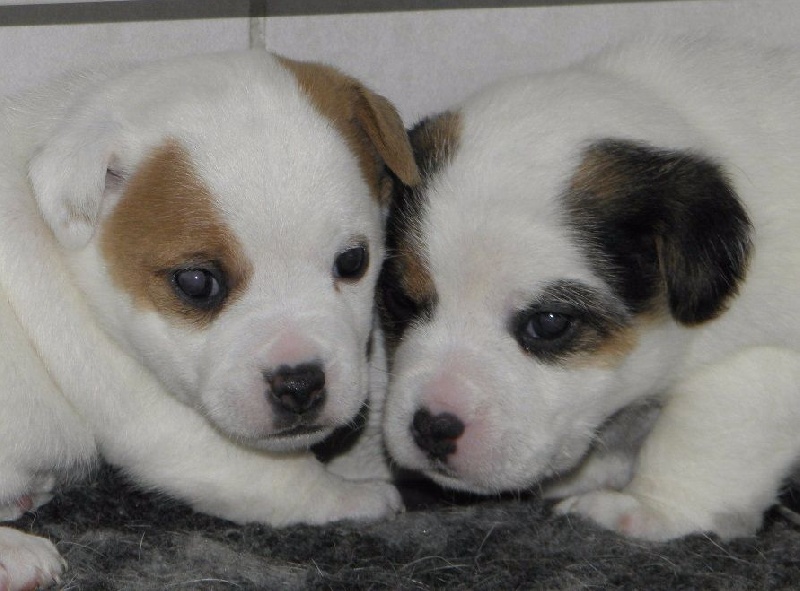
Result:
{"points": [[300, 430]]}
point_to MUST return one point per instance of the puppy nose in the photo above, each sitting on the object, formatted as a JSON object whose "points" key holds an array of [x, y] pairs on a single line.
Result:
{"points": [[436, 434], [298, 388]]}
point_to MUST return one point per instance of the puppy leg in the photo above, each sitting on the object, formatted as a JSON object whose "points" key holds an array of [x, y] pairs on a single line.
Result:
{"points": [[367, 458], [218, 477], [27, 562], [40, 433], [613, 458], [717, 455]]}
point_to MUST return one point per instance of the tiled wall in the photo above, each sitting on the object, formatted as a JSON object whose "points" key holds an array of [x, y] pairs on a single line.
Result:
{"points": [[423, 60]]}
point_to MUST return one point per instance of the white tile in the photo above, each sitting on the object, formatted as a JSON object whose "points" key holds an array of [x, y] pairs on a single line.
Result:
{"points": [[32, 54], [424, 61]]}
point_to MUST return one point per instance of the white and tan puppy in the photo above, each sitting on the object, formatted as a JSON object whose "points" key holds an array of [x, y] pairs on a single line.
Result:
{"points": [[590, 244], [187, 268]]}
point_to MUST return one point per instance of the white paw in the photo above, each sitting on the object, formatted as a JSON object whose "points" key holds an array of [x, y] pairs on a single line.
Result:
{"points": [[28, 562], [360, 466], [39, 492], [366, 500], [626, 514], [609, 471]]}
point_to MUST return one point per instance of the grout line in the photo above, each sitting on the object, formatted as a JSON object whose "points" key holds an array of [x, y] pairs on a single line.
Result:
{"points": [[258, 24], [258, 32]]}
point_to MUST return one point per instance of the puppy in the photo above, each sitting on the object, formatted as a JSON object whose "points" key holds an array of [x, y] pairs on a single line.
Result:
{"points": [[603, 259], [187, 270]]}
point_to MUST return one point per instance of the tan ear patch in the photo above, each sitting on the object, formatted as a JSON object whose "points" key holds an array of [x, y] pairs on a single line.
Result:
{"points": [[166, 220], [368, 122]]}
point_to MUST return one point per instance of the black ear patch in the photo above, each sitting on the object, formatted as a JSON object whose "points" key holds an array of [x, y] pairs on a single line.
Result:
{"points": [[665, 227], [406, 292]]}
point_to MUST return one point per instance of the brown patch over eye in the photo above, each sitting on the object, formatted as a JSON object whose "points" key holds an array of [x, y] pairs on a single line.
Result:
{"points": [[166, 222]]}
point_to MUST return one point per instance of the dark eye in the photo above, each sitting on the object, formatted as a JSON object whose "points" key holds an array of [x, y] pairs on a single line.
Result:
{"points": [[202, 288], [352, 263], [547, 325], [543, 332], [398, 306]]}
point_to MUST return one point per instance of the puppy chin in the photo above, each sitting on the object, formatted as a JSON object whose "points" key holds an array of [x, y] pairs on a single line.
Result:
{"points": [[483, 467], [293, 439], [266, 436]]}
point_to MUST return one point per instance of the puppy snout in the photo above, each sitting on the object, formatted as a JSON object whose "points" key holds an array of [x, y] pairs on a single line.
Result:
{"points": [[436, 434], [297, 389]]}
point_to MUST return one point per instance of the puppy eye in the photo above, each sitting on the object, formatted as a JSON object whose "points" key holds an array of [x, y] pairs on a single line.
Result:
{"points": [[199, 287], [398, 306], [547, 325], [352, 263], [543, 332]]}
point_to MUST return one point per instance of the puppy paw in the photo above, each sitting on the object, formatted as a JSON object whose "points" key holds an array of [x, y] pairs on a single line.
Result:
{"points": [[361, 466], [366, 500], [625, 514], [28, 562], [39, 492], [611, 471]]}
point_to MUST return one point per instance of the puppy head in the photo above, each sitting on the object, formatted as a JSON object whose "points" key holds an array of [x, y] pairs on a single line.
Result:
{"points": [[539, 280], [223, 216]]}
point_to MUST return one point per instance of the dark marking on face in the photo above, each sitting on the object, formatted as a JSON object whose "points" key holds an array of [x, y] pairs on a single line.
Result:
{"points": [[568, 319], [343, 438], [167, 245], [406, 292], [665, 227]]}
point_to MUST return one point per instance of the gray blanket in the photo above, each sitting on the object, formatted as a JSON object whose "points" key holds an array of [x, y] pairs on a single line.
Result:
{"points": [[115, 537]]}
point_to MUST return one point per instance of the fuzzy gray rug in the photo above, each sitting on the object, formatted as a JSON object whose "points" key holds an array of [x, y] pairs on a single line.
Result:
{"points": [[115, 537]]}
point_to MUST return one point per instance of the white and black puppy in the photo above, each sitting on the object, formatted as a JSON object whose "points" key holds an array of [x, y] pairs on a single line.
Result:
{"points": [[586, 246], [187, 268]]}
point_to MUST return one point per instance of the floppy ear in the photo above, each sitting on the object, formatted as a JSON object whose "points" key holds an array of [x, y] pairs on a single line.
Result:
{"points": [[383, 126], [69, 175], [666, 225], [368, 122]]}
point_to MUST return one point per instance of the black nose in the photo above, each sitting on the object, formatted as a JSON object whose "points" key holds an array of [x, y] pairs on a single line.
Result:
{"points": [[436, 434], [297, 389]]}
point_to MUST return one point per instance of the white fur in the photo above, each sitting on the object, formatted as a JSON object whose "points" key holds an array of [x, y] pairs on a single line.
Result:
{"points": [[182, 409], [493, 232]]}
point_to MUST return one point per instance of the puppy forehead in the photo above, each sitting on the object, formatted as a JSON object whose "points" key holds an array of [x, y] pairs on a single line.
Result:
{"points": [[258, 143], [491, 231], [522, 146], [287, 183]]}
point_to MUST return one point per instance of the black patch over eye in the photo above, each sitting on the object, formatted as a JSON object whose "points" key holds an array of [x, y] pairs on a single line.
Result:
{"points": [[567, 318], [398, 306], [397, 309], [352, 263], [200, 287]]}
